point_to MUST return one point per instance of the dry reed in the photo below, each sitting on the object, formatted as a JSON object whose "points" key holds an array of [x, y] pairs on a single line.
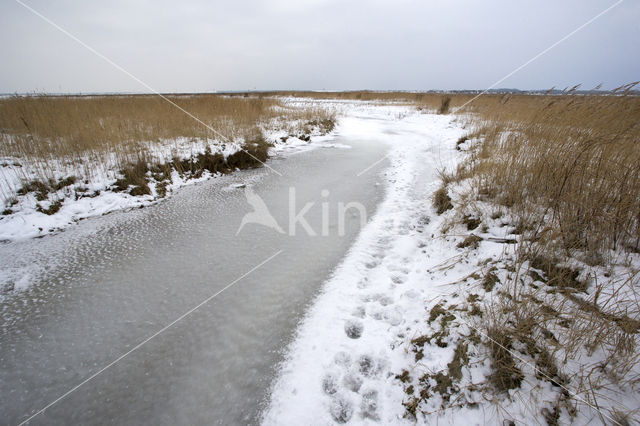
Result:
{"points": [[568, 167], [81, 134]]}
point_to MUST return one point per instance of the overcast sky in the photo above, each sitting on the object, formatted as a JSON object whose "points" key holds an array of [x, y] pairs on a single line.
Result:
{"points": [[203, 46]]}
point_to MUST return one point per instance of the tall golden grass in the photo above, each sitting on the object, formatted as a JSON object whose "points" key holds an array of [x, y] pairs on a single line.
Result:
{"points": [[568, 167], [40, 134], [69, 125], [569, 164]]}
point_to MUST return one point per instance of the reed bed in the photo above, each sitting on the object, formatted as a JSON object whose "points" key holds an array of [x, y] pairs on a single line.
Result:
{"points": [[570, 166], [48, 138], [41, 126], [566, 168]]}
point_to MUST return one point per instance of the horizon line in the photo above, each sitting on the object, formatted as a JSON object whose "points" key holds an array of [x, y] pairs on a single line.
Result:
{"points": [[265, 91]]}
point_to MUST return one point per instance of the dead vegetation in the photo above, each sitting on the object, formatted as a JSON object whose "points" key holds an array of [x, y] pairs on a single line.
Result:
{"points": [[472, 241], [567, 168], [574, 157], [62, 126], [441, 200], [505, 375]]}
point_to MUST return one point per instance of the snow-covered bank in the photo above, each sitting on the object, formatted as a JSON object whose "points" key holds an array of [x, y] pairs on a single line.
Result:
{"points": [[341, 366], [81, 188]]}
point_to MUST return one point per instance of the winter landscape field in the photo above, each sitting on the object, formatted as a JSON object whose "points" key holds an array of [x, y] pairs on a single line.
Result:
{"points": [[494, 280], [421, 245]]}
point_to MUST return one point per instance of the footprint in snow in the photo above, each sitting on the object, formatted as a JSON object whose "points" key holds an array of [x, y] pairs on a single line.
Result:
{"points": [[370, 366], [369, 405], [393, 316], [351, 380], [397, 266], [379, 254], [376, 313], [424, 220], [383, 242], [342, 359], [372, 297], [411, 294], [363, 283], [353, 329], [330, 383], [371, 264], [341, 409]]}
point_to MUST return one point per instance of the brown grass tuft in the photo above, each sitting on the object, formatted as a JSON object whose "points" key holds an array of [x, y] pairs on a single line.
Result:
{"points": [[505, 375], [441, 200]]}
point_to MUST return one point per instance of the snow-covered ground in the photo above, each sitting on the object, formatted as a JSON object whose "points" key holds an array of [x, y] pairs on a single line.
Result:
{"points": [[343, 362], [404, 309]]}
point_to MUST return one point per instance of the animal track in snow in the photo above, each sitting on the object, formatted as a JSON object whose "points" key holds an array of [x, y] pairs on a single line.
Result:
{"points": [[353, 329], [376, 312], [370, 366], [369, 405], [371, 297], [342, 358], [372, 264], [393, 316], [330, 383], [341, 409]]}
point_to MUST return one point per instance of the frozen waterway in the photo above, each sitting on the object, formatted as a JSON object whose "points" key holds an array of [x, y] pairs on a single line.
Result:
{"points": [[98, 289]]}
